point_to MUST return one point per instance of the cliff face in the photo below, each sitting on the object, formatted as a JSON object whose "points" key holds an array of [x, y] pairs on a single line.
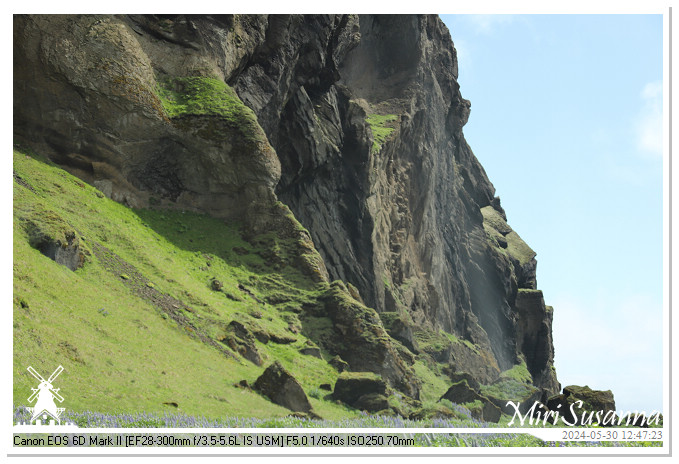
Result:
{"points": [[354, 122]]}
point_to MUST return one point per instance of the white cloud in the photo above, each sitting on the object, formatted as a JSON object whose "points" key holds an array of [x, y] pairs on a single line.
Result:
{"points": [[649, 124]]}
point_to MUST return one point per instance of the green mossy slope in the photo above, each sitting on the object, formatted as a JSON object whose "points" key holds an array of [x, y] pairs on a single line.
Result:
{"points": [[156, 313], [142, 322]]}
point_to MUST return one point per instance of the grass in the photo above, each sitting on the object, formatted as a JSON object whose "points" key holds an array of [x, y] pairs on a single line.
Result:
{"points": [[208, 96], [381, 125], [434, 384], [120, 350], [508, 389], [436, 341], [129, 354], [518, 372]]}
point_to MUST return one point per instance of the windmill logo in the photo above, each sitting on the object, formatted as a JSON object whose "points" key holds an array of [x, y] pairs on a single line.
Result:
{"points": [[45, 394]]}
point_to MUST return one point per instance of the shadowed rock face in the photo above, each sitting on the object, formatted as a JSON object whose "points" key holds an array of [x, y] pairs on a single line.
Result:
{"points": [[356, 125]]}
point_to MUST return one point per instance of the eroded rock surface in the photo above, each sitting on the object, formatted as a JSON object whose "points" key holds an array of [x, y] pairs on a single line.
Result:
{"points": [[353, 121]]}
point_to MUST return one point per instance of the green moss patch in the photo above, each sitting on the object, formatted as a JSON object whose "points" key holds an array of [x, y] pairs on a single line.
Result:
{"points": [[209, 96], [519, 373], [381, 125]]}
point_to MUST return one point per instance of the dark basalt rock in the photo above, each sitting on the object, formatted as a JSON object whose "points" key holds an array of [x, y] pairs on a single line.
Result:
{"points": [[462, 393], [401, 209], [66, 252], [434, 412], [363, 343], [371, 402], [351, 386], [471, 382], [399, 329], [592, 401], [282, 388]]}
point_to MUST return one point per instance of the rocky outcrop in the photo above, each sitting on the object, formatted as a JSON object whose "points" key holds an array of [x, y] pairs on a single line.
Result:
{"points": [[282, 388], [534, 337], [55, 238], [461, 393], [89, 93], [362, 342], [585, 403], [369, 134], [242, 341], [362, 390], [65, 250], [354, 122]]}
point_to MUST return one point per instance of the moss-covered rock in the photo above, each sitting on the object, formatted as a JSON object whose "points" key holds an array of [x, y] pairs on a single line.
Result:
{"points": [[55, 238], [351, 386], [593, 401], [241, 340], [339, 364], [361, 340], [507, 389], [437, 411], [199, 95], [282, 388], [400, 328], [372, 402], [461, 393]]}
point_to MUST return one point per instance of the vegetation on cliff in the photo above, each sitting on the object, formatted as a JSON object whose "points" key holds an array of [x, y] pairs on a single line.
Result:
{"points": [[198, 95], [140, 325]]}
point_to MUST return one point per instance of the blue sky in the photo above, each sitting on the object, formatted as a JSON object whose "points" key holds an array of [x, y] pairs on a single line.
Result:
{"points": [[566, 118]]}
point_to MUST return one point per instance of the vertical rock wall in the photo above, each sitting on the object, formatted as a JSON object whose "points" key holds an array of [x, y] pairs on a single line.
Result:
{"points": [[359, 122]]}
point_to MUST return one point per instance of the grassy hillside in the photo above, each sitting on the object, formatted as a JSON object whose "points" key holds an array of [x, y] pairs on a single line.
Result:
{"points": [[145, 321], [150, 320]]}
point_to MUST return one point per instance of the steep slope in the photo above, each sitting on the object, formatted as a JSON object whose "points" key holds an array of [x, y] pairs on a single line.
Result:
{"points": [[375, 164], [166, 307], [354, 122]]}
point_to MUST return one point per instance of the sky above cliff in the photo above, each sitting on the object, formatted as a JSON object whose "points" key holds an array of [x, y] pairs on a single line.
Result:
{"points": [[566, 118]]}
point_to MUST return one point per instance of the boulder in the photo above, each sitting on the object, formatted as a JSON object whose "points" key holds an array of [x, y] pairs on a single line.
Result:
{"points": [[216, 285], [461, 393], [351, 386], [372, 402], [491, 413], [282, 388], [592, 401], [434, 412], [471, 381]]}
